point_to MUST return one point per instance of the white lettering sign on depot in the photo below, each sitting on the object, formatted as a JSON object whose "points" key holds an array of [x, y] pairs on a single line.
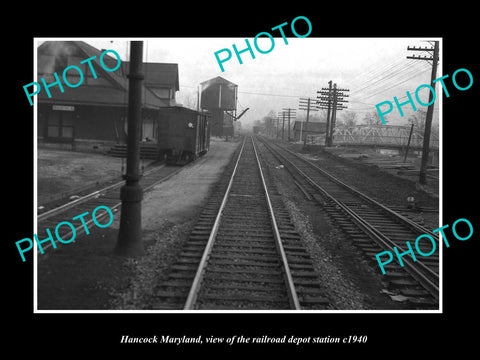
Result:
{"points": [[63, 108]]}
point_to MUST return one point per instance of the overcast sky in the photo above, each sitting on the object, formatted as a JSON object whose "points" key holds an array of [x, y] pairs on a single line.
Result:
{"points": [[374, 69]]}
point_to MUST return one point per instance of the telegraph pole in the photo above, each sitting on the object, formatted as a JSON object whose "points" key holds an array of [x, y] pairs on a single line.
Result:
{"points": [[334, 114], [310, 106], [279, 115], [338, 104], [326, 96], [288, 132], [291, 114], [129, 242], [332, 100], [428, 121], [276, 131]]}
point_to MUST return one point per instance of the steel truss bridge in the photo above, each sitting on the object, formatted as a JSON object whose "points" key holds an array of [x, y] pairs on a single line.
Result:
{"points": [[390, 136]]}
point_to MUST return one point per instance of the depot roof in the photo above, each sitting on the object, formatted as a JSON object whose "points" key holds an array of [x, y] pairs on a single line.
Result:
{"points": [[111, 87]]}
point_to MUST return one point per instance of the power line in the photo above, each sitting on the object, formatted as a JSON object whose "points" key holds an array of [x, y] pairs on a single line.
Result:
{"points": [[396, 84], [433, 57], [255, 93], [381, 69], [267, 94], [388, 71], [391, 78]]}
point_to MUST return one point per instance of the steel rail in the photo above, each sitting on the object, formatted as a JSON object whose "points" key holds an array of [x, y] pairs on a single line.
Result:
{"points": [[397, 215], [393, 213], [196, 284], [75, 202], [87, 197], [292, 293], [195, 288], [81, 228], [427, 278]]}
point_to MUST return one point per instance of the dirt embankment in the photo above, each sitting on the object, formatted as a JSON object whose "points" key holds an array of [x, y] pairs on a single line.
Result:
{"points": [[86, 275], [60, 173]]}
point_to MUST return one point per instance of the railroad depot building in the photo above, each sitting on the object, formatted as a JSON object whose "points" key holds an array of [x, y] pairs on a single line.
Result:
{"points": [[94, 114]]}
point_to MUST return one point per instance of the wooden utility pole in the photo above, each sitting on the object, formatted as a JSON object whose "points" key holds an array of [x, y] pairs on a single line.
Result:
{"points": [[326, 96], [276, 131], [334, 114], [280, 115], [408, 144], [428, 120], [291, 115], [332, 100], [309, 105], [289, 124]]}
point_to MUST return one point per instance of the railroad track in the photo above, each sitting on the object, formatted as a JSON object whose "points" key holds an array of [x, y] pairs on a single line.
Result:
{"points": [[244, 252], [373, 227], [108, 196]]}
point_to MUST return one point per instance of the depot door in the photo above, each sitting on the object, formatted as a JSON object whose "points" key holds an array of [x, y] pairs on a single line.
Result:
{"points": [[60, 126], [149, 129]]}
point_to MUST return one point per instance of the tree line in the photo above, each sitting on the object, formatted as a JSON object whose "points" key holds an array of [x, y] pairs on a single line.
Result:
{"points": [[346, 118]]}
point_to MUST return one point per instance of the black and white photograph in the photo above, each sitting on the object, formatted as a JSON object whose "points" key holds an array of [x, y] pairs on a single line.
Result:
{"points": [[274, 181], [270, 187]]}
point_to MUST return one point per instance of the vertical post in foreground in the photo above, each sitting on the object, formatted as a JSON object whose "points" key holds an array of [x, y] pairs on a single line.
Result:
{"points": [[306, 122], [431, 101], [408, 144], [328, 141], [129, 242], [288, 124], [428, 120]]}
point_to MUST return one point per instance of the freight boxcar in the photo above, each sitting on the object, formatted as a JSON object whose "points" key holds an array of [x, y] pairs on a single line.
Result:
{"points": [[183, 134]]}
